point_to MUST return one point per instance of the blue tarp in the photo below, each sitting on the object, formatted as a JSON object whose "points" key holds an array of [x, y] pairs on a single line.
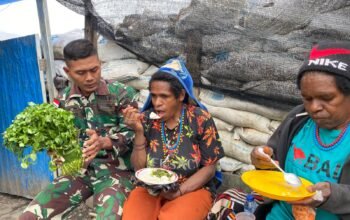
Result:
{"points": [[3, 2]]}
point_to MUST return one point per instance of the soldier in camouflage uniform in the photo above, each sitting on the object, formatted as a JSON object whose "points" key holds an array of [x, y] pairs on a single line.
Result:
{"points": [[104, 138]]}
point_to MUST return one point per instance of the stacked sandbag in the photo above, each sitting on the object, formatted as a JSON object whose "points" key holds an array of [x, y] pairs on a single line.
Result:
{"points": [[118, 64], [249, 48], [241, 124], [246, 125], [59, 41], [222, 100], [123, 70], [108, 51]]}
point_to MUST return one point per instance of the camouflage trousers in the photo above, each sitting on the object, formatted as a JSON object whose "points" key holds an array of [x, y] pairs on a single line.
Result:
{"points": [[109, 190]]}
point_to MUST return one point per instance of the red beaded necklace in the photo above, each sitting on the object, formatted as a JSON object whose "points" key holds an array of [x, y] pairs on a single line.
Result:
{"points": [[334, 142]]}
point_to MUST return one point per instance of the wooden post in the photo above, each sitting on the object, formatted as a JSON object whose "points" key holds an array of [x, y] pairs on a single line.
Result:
{"points": [[193, 54], [89, 31]]}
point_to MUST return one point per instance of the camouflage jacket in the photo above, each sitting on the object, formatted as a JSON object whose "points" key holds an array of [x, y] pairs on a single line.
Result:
{"points": [[101, 111]]}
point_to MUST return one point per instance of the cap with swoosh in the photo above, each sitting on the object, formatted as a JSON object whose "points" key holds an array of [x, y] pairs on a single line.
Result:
{"points": [[328, 56]]}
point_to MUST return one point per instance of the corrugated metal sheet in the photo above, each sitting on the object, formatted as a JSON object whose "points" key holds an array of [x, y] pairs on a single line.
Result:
{"points": [[3, 2], [21, 82]]}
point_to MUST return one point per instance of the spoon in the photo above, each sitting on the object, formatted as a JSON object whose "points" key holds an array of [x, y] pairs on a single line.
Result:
{"points": [[290, 178], [166, 159]]}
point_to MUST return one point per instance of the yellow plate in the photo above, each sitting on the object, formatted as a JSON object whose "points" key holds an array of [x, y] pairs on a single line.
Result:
{"points": [[271, 184]]}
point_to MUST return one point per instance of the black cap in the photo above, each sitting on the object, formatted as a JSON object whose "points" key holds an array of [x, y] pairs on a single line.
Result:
{"points": [[328, 56]]}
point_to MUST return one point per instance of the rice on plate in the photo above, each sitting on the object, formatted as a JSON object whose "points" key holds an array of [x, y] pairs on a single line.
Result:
{"points": [[156, 176]]}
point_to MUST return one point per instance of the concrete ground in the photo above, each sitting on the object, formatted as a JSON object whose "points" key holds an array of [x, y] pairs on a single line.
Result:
{"points": [[12, 206]]}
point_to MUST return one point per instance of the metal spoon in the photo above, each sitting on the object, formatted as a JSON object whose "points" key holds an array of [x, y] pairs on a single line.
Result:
{"points": [[290, 178]]}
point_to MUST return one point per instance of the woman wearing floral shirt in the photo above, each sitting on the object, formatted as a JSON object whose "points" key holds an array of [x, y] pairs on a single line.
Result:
{"points": [[184, 139]]}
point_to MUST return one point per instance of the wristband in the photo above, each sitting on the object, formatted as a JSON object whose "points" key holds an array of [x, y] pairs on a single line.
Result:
{"points": [[139, 145]]}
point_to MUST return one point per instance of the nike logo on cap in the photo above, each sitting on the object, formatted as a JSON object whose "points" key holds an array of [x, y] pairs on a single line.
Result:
{"points": [[318, 53], [329, 63]]}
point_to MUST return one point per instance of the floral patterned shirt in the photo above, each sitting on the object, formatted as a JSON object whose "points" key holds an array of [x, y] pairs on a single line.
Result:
{"points": [[193, 143]]}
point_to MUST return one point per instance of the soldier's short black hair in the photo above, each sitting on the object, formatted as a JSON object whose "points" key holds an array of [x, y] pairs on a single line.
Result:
{"points": [[79, 49]]}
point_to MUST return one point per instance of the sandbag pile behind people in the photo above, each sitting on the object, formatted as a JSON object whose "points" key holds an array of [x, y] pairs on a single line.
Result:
{"points": [[241, 124], [247, 125], [248, 47]]}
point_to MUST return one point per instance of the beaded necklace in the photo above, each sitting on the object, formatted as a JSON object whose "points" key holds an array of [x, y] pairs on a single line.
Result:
{"points": [[167, 147], [334, 144]]}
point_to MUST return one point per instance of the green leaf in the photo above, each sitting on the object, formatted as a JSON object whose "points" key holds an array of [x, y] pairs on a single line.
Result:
{"points": [[24, 165], [33, 156], [45, 127], [52, 166]]}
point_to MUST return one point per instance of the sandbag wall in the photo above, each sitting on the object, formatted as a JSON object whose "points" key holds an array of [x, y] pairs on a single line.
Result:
{"points": [[118, 64], [241, 124], [249, 47]]}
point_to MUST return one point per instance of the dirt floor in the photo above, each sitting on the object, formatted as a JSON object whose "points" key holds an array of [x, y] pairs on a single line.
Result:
{"points": [[12, 207]]}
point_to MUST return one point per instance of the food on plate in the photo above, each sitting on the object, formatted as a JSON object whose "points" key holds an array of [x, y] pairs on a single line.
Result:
{"points": [[160, 173], [156, 176]]}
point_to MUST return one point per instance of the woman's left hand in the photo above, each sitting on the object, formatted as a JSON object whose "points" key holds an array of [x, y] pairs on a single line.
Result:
{"points": [[324, 187], [170, 195]]}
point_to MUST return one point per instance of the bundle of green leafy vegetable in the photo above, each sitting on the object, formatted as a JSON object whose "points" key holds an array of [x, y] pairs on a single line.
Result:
{"points": [[45, 127]]}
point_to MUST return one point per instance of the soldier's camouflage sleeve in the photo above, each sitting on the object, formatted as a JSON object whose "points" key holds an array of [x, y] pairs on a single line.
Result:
{"points": [[121, 135]]}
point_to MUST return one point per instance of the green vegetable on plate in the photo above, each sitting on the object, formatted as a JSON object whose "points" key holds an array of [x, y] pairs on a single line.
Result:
{"points": [[160, 173]]}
